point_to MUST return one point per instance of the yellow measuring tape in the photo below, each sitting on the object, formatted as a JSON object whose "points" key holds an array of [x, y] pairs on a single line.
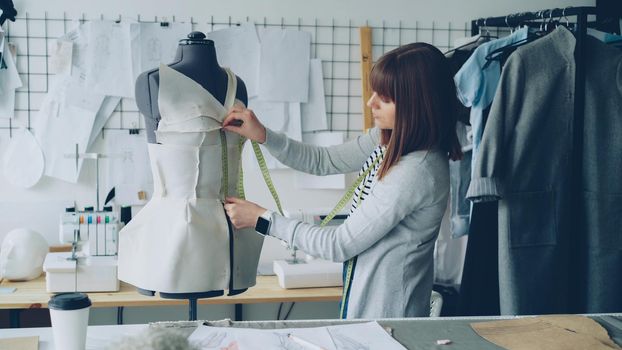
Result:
{"points": [[266, 175], [224, 186]]}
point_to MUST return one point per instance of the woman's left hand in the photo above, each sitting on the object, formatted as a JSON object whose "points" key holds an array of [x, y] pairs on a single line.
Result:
{"points": [[243, 213]]}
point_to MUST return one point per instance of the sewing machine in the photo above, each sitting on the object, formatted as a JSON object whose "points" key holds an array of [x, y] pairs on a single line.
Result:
{"points": [[91, 266], [309, 271]]}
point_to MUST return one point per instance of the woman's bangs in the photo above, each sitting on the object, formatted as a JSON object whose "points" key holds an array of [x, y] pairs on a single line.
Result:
{"points": [[382, 79]]}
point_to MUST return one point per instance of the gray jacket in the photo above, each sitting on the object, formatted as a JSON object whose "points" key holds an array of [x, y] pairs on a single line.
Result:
{"points": [[392, 232], [553, 258]]}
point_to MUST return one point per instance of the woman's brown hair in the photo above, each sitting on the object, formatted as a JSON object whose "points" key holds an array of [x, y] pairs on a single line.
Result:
{"points": [[417, 77]]}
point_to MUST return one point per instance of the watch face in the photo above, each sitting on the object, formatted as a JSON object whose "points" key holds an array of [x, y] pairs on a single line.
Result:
{"points": [[262, 226]]}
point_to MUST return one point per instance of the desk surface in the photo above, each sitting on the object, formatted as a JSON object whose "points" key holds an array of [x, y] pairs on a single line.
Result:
{"points": [[414, 333], [32, 294]]}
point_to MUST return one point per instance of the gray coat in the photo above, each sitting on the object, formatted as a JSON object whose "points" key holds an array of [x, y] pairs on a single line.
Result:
{"points": [[526, 159], [392, 232]]}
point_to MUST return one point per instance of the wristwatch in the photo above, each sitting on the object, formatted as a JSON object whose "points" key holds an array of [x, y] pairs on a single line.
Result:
{"points": [[263, 223]]}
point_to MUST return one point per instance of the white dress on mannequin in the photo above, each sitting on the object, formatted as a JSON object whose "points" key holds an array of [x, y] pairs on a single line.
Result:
{"points": [[181, 242]]}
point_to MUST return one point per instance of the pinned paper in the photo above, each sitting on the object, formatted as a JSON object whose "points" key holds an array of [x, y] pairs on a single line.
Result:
{"points": [[238, 48], [102, 116], [129, 171], [62, 123], [60, 57], [23, 160], [284, 65], [279, 117], [156, 43], [314, 111], [9, 79], [109, 59]]}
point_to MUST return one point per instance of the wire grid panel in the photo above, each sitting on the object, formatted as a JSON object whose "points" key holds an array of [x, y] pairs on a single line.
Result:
{"points": [[335, 42]]}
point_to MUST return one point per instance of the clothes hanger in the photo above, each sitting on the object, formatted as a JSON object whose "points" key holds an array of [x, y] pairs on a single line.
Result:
{"points": [[503, 52], [482, 38], [487, 34]]}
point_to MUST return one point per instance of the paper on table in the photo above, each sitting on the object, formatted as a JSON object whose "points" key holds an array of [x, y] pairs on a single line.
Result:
{"points": [[238, 48], [308, 181], [23, 160], [9, 81], [60, 57], [206, 337], [104, 112], [546, 332], [369, 335], [109, 59], [60, 126], [129, 168], [157, 44], [314, 111], [284, 65], [22, 343]]}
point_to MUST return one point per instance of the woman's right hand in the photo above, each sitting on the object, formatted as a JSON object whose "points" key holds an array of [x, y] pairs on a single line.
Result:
{"points": [[244, 122]]}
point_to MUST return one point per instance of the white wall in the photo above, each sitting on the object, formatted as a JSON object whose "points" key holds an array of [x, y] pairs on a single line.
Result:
{"points": [[440, 10], [17, 206]]}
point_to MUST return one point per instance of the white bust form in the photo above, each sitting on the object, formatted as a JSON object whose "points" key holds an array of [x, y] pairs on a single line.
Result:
{"points": [[22, 254]]}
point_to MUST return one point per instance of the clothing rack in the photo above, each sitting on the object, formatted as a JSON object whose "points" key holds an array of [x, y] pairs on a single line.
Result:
{"points": [[579, 25]]}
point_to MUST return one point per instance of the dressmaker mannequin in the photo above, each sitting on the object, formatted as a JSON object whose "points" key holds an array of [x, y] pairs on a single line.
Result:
{"points": [[196, 59]]}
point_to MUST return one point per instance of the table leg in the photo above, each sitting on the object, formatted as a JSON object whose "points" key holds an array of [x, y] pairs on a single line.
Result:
{"points": [[238, 313], [120, 315], [192, 305], [14, 318]]}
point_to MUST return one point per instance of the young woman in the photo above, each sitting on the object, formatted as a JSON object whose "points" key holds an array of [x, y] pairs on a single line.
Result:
{"points": [[388, 239]]}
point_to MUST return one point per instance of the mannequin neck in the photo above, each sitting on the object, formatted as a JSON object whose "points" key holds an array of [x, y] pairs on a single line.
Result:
{"points": [[203, 54]]}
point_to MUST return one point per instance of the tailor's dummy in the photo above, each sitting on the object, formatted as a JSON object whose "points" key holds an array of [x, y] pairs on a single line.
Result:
{"points": [[181, 243]]}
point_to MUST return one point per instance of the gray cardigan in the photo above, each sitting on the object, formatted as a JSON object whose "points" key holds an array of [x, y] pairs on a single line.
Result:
{"points": [[392, 232]]}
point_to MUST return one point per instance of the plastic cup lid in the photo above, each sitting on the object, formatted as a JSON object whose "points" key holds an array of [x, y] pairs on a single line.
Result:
{"points": [[69, 301]]}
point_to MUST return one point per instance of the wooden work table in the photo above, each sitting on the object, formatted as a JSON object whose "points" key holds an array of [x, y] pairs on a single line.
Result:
{"points": [[32, 294]]}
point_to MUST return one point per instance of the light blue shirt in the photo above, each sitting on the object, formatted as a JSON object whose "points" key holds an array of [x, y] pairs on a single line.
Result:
{"points": [[476, 85]]}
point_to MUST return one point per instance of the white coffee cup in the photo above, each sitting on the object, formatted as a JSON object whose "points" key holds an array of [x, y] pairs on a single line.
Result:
{"points": [[70, 318]]}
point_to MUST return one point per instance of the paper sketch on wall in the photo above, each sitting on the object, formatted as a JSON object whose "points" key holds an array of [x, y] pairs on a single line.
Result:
{"points": [[238, 48], [9, 77], [313, 112], [63, 121], [128, 167], [156, 43], [109, 58], [61, 52], [284, 65]]}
